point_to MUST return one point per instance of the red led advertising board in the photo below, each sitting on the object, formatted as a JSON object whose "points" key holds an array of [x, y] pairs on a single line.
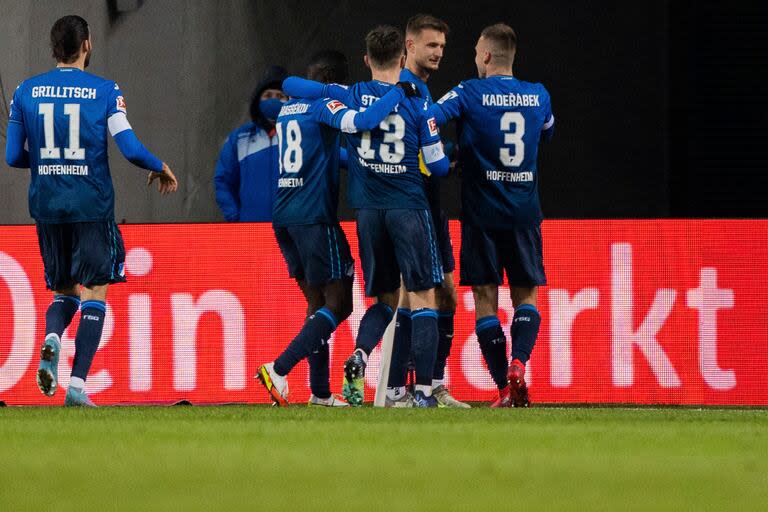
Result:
{"points": [[645, 312]]}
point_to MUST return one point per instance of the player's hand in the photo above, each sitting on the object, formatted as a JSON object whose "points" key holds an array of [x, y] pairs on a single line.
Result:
{"points": [[410, 89], [168, 182]]}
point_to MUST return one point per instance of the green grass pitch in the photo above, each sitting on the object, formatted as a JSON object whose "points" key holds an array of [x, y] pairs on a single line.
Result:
{"points": [[261, 458]]}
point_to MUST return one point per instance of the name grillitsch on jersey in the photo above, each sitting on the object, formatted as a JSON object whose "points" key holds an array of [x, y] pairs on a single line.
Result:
{"points": [[50, 91], [511, 100], [513, 177]]}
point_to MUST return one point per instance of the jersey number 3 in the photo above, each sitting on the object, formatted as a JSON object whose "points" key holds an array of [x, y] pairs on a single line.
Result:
{"points": [[512, 138], [50, 151]]}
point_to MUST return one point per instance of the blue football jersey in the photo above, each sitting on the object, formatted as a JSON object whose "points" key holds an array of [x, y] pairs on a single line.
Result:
{"points": [[406, 75], [501, 121], [308, 185], [384, 162], [65, 116], [431, 183]]}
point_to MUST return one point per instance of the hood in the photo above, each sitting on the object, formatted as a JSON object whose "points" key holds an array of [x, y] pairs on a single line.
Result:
{"points": [[272, 78]]}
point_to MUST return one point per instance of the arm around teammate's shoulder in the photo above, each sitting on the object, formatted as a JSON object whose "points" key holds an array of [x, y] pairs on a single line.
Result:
{"points": [[297, 87], [373, 115]]}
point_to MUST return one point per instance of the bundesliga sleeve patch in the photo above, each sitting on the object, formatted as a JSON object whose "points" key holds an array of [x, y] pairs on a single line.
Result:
{"points": [[120, 104], [335, 105], [432, 126]]}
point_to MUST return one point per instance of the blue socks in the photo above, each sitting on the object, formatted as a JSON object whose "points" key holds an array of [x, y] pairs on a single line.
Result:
{"points": [[445, 340], [493, 346], [424, 344], [315, 333], [372, 326], [92, 314], [60, 313], [401, 350], [524, 330], [318, 372]]}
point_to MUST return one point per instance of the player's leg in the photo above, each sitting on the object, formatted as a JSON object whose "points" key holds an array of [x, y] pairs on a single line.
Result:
{"points": [[382, 280], [276, 384], [490, 337], [424, 345], [273, 375], [482, 270], [319, 359], [98, 258], [397, 396], [55, 242], [93, 311], [447, 299], [372, 327], [524, 264], [314, 261], [338, 299], [413, 235]]}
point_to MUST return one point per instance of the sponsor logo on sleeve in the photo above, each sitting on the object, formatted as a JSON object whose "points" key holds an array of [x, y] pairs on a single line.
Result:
{"points": [[432, 126], [335, 105], [121, 104]]}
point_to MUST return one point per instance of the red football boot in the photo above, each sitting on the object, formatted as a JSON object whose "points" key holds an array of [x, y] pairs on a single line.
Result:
{"points": [[505, 398], [519, 390]]}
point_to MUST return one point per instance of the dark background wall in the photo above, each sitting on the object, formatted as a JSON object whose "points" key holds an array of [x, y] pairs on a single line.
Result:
{"points": [[719, 109], [633, 85]]}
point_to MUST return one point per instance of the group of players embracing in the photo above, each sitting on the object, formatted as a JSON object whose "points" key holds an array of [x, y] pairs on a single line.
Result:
{"points": [[58, 128], [395, 159]]}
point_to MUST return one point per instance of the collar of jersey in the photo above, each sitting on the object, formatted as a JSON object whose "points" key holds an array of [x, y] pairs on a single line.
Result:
{"points": [[66, 68]]}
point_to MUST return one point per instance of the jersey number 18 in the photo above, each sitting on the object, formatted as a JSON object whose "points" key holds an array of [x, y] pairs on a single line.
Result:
{"points": [[292, 158]]}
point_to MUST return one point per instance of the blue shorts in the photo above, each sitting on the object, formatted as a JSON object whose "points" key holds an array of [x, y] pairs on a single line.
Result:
{"points": [[486, 255], [86, 253], [444, 241], [398, 242], [316, 253]]}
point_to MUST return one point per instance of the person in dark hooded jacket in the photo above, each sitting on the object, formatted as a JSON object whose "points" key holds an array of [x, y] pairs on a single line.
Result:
{"points": [[247, 168]]}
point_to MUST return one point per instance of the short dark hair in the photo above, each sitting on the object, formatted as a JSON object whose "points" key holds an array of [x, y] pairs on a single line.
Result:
{"points": [[384, 45], [504, 41], [67, 36], [421, 21], [328, 66]]}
